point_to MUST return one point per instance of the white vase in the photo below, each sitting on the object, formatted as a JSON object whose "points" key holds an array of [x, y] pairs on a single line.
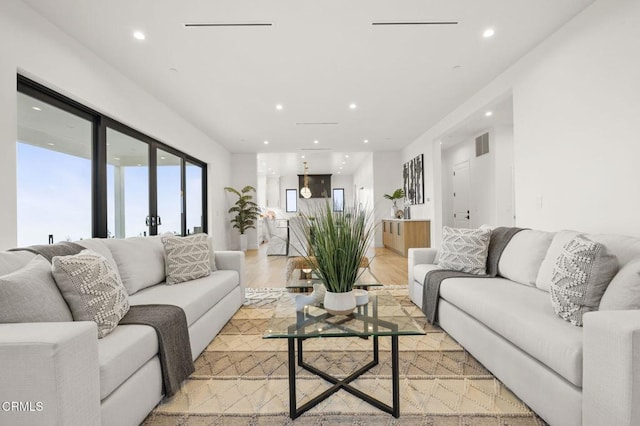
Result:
{"points": [[339, 303], [243, 242]]}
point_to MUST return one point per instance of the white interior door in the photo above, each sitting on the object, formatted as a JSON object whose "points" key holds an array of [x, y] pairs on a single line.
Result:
{"points": [[461, 206]]}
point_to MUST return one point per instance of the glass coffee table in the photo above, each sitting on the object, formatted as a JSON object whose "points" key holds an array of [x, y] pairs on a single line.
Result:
{"points": [[302, 282], [381, 317]]}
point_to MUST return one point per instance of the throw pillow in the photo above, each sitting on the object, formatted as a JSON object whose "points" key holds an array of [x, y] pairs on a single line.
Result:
{"points": [[543, 280], [186, 258], [623, 292], [581, 275], [92, 288], [212, 255], [30, 295], [140, 261], [465, 250], [521, 259]]}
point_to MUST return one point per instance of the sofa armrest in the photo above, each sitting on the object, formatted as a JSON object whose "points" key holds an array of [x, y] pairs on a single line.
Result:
{"points": [[419, 256], [50, 374], [611, 368], [234, 261]]}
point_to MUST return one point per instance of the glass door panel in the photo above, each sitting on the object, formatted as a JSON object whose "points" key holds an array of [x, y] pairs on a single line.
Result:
{"points": [[53, 173], [169, 183], [127, 185], [194, 198]]}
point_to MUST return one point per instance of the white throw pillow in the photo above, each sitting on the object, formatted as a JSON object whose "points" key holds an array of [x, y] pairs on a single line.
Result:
{"points": [[212, 255], [521, 259], [186, 258], [581, 275], [92, 288], [140, 261], [464, 249], [623, 292], [543, 280]]}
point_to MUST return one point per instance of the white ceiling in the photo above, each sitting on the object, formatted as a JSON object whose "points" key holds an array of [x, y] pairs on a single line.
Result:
{"points": [[289, 164], [316, 58]]}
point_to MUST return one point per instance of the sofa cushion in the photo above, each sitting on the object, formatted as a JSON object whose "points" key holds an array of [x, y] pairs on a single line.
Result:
{"points": [[464, 250], [30, 294], [521, 259], [582, 273], [186, 258], [11, 261], [122, 353], [98, 245], [545, 274], [623, 291], [195, 297], [212, 254], [92, 288], [140, 261], [420, 271], [523, 316]]}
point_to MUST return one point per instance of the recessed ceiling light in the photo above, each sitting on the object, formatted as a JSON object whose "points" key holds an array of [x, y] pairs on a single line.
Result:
{"points": [[116, 158], [346, 156], [489, 32], [353, 106], [340, 168], [266, 142], [139, 164], [488, 113], [302, 156], [139, 35], [344, 162], [51, 144], [163, 158], [339, 172], [279, 107], [366, 141], [316, 141], [35, 108]]}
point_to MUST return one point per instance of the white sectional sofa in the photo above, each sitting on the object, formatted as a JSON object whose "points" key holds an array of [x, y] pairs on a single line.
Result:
{"points": [[63, 375], [569, 375]]}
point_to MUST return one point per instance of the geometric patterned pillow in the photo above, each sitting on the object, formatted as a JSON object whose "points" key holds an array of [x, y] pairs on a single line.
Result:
{"points": [[465, 250], [580, 277], [92, 288], [186, 258]]}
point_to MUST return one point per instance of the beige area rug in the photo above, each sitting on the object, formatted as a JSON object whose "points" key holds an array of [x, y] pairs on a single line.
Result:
{"points": [[241, 379]]}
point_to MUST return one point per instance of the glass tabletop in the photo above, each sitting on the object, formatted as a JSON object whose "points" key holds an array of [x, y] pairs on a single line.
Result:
{"points": [[382, 316]]}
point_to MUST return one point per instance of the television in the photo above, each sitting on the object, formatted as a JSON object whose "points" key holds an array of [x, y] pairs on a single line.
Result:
{"points": [[320, 185]]}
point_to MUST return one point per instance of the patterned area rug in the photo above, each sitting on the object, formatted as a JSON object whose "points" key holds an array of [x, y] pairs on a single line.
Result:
{"points": [[241, 379]]}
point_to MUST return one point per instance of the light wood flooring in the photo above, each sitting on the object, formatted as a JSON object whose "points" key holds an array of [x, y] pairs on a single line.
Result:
{"points": [[269, 271]]}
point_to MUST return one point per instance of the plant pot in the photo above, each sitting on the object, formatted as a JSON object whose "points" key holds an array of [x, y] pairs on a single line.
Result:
{"points": [[339, 303], [243, 242]]}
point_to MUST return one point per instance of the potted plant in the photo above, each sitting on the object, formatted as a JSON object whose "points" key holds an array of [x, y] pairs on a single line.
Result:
{"points": [[246, 212], [338, 243], [396, 195]]}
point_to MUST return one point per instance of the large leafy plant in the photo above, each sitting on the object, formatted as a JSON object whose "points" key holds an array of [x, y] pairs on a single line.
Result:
{"points": [[396, 195], [245, 209], [338, 242]]}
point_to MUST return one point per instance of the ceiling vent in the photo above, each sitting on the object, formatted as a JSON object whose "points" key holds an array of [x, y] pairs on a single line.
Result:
{"points": [[227, 24], [315, 149], [390, 23], [482, 144], [317, 123]]}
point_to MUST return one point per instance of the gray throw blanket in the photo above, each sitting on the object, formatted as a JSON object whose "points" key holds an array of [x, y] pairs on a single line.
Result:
{"points": [[50, 251], [170, 323], [500, 237]]}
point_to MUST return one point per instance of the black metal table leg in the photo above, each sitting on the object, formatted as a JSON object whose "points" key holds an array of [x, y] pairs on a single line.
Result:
{"points": [[292, 378], [395, 376]]}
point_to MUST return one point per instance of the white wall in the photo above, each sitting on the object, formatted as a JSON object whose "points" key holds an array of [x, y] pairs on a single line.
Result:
{"points": [[32, 46], [387, 177], [244, 171], [576, 130]]}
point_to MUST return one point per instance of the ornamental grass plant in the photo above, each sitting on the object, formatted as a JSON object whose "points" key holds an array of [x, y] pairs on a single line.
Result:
{"points": [[338, 242]]}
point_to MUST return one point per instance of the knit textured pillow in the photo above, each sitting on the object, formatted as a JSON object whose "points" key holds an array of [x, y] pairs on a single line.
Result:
{"points": [[465, 250], [186, 258], [580, 277], [92, 288]]}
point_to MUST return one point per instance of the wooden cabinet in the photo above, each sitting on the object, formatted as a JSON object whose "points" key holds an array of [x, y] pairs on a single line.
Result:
{"points": [[401, 235]]}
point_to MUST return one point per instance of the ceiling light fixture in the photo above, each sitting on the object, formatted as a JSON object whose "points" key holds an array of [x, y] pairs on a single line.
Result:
{"points": [[163, 158], [488, 113], [306, 192], [139, 35], [51, 144], [279, 107], [346, 156], [353, 106], [302, 156], [415, 23], [35, 108], [116, 158], [488, 33], [316, 141], [266, 142]]}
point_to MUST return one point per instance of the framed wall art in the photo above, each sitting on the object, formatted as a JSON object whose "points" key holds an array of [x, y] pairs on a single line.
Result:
{"points": [[413, 176]]}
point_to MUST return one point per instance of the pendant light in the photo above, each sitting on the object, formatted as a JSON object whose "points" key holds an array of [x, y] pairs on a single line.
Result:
{"points": [[306, 192]]}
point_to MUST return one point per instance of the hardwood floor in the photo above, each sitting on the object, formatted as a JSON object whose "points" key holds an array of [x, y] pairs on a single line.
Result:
{"points": [[269, 271]]}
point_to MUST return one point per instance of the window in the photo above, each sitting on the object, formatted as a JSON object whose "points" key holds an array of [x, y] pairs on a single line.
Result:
{"points": [[81, 174], [292, 200], [338, 199], [54, 157]]}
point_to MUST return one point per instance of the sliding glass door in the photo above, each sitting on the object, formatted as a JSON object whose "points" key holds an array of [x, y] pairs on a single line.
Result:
{"points": [[169, 183]]}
